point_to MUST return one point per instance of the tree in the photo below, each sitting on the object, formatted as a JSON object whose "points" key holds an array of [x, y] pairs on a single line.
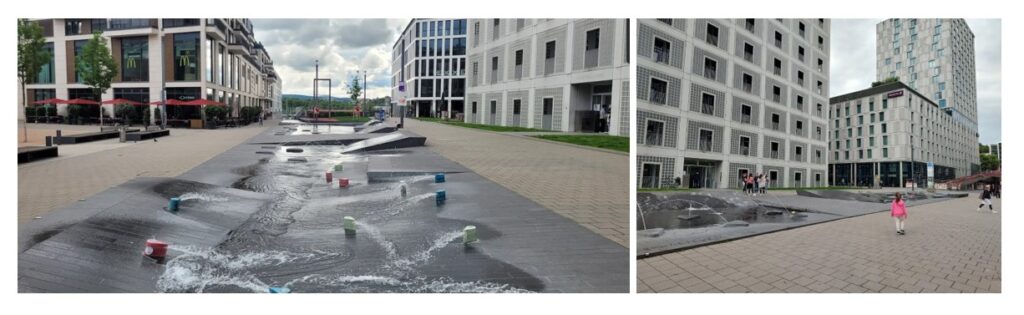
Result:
{"points": [[354, 90], [990, 162], [31, 58], [97, 67], [886, 81], [983, 149]]}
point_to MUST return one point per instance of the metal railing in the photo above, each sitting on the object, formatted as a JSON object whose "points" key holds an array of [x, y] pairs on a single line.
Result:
{"points": [[748, 56], [657, 97], [712, 40], [774, 154], [649, 182], [125, 24], [707, 109], [777, 71], [776, 98], [745, 119], [744, 151], [747, 87], [710, 73], [549, 66], [775, 126]]}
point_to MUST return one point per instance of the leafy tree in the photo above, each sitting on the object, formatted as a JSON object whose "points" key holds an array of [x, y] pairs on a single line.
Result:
{"points": [[354, 90], [983, 149], [990, 162], [31, 58], [96, 65], [886, 81]]}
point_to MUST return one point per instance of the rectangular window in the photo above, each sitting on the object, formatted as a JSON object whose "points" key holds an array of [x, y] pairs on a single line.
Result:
{"points": [[821, 65], [800, 53], [801, 28], [494, 70], [774, 152], [549, 105], [710, 68], [712, 35], [519, 64], [884, 129], [666, 21], [748, 52], [707, 104], [778, 40], [745, 113], [46, 71], [748, 83], [775, 121], [516, 106], [658, 90], [885, 152], [549, 57], [777, 67], [705, 140], [135, 59], [661, 50], [655, 132], [776, 94], [800, 78], [593, 44], [749, 25], [186, 57], [799, 127], [744, 145]]}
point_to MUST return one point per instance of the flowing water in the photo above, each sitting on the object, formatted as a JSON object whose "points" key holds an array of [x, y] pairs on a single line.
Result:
{"points": [[297, 240]]}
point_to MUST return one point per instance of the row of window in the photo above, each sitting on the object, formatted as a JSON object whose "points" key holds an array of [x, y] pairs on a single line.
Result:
{"points": [[654, 134], [441, 28], [441, 47]]}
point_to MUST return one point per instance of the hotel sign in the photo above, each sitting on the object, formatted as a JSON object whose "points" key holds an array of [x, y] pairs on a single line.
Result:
{"points": [[895, 94]]}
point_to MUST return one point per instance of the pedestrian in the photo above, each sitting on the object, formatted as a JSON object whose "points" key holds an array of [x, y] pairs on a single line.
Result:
{"points": [[757, 184], [899, 213], [986, 199], [764, 184]]}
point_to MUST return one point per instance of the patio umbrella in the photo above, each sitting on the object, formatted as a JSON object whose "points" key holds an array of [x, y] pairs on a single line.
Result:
{"points": [[169, 102], [49, 101]]}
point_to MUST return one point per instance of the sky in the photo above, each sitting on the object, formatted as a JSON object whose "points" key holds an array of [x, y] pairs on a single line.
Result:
{"points": [[343, 47], [853, 66]]}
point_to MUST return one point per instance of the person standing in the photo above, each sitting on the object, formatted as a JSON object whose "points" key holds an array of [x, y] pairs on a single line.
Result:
{"points": [[749, 187], [986, 199], [764, 184], [899, 213], [757, 184]]}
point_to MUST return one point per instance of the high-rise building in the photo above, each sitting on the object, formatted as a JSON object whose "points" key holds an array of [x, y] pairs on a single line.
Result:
{"points": [[216, 59], [935, 57], [882, 135], [430, 59], [718, 99], [551, 74]]}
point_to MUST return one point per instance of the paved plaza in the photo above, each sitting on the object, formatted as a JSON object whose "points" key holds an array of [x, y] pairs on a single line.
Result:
{"points": [[948, 248], [86, 169], [588, 186]]}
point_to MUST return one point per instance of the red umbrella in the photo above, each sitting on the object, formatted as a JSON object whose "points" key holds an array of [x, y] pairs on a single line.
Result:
{"points": [[81, 101], [169, 102], [200, 102], [50, 101], [120, 101]]}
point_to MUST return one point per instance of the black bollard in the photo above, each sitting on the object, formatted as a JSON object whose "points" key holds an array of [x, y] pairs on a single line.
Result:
{"points": [[58, 132], [49, 141]]}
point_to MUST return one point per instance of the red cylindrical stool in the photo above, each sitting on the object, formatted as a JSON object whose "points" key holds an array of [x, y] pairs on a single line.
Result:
{"points": [[330, 177], [343, 182], [155, 249]]}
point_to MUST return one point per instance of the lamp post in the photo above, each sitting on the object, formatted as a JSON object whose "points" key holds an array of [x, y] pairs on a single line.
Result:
{"points": [[163, 85], [913, 178]]}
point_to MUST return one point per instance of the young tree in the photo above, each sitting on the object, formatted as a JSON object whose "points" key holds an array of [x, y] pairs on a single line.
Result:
{"points": [[97, 66], [31, 58], [354, 90]]}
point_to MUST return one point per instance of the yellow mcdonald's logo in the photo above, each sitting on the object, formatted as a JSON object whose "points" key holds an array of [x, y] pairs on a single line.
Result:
{"points": [[132, 62], [184, 60]]}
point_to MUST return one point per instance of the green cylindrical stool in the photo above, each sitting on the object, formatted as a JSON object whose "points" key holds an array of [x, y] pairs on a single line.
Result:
{"points": [[469, 235], [350, 225]]}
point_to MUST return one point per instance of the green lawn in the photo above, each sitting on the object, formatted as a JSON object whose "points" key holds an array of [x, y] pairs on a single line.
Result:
{"points": [[478, 126], [599, 141], [769, 189]]}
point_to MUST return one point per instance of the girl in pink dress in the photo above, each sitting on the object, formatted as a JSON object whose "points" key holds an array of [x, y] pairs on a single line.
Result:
{"points": [[899, 213]]}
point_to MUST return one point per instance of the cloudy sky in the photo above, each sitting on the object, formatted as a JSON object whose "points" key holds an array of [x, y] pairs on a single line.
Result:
{"points": [[343, 46], [853, 66]]}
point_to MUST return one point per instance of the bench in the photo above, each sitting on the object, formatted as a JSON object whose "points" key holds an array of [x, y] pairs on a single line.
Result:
{"points": [[29, 154], [146, 135], [88, 137]]}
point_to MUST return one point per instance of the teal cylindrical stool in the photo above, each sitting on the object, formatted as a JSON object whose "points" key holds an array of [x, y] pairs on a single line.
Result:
{"points": [[173, 204], [440, 197], [439, 178]]}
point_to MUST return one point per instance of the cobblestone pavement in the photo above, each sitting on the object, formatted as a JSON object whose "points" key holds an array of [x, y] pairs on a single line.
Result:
{"points": [[54, 183], [588, 186], [948, 247]]}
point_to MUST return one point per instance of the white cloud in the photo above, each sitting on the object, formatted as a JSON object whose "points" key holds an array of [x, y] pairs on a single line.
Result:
{"points": [[343, 47]]}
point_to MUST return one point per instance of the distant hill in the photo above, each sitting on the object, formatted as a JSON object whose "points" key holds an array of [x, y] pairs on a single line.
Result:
{"points": [[309, 97]]}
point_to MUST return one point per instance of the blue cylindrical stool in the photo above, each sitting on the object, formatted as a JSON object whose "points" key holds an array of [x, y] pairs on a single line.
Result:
{"points": [[440, 197], [439, 178], [173, 204]]}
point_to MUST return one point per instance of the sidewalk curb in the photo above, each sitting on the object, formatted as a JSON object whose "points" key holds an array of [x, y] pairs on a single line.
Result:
{"points": [[514, 134]]}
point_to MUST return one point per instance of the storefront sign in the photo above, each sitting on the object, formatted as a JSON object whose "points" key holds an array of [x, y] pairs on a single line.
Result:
{"points": [[895, 94]]}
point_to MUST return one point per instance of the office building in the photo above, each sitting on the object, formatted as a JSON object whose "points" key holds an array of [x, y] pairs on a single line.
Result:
{"points": [[721, 98], [430, 59]]}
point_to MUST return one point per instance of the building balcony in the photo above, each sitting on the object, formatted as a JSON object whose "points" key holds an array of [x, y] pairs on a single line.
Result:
{"points": [[217, 29], [656, 97]]}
